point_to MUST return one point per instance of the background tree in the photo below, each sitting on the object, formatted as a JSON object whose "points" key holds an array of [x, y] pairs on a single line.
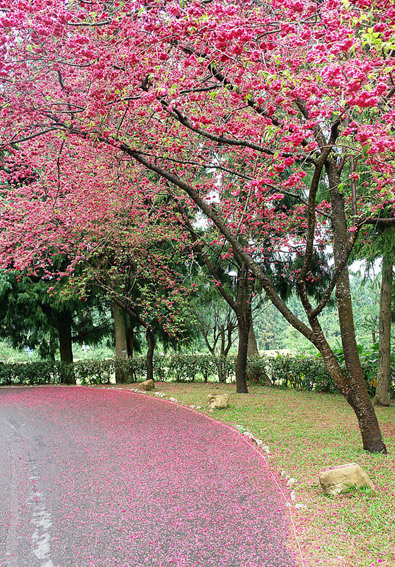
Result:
{"points": [[33, 317], [217, 323], [378, 245]]}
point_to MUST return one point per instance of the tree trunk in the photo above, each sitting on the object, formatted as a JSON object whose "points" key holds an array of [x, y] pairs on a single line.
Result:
{"points": [[241, 361], [66, 350], [382, 397], [150, 354], [121, 347], [357, 396], [222, 369], [130, 341], [252, 344], [244, 318], [221, 361]]}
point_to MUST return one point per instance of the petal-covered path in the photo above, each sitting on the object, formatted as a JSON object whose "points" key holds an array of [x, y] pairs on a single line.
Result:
{"points": [[106, 478]]}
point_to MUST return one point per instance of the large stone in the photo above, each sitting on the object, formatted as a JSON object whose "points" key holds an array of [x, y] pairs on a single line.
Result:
{"points": [[218, 401], [147, 385], [340, 479]]}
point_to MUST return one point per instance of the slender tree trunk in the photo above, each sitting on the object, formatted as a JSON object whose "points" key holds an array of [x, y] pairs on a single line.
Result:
{"points": [[221, 364], [244, 318], [252, 344], [121, 347], [66, 349], [130, 341], [241, 360], [382, 397], [357, 396], [150, 354]]}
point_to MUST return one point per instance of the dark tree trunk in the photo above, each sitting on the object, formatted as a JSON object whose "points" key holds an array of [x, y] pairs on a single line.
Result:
{"points": [[382, 397], [150, 354], [66, 350], [357, 395], [130, 341], [241, 361], [121, 348], [244, 318], [221, 366]]}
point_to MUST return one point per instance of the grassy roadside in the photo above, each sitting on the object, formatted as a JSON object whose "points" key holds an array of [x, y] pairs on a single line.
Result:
{"points": [[307, 432]]}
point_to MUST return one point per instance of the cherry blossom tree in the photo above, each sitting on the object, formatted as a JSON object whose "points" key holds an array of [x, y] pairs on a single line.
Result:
{"points": [[282, 99], [112, 245]]}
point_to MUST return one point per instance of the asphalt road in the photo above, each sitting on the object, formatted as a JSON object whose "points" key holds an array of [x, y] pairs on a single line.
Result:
{"points": [[105, 478]]}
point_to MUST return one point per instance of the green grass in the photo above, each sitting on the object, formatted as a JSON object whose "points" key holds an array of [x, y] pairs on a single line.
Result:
{"points": [[308, 432]]}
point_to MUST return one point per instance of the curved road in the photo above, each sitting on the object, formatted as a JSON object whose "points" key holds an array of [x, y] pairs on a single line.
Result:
{"points": [[106, 478]]}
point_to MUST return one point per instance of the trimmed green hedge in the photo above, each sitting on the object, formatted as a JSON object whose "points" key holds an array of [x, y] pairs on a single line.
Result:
{"points": [[175, 367], [303, 373], [309, 372]]}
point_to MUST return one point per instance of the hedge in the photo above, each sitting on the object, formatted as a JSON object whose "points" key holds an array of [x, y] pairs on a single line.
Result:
{"points": [[175, 367], [303, 372]]}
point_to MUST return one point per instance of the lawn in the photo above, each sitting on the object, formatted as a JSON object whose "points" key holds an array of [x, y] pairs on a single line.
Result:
{"points": [[308, 432]]}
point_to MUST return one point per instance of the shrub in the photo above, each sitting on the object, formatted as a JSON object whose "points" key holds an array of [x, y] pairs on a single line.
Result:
{"points": [[300, 372], [41, 372]]}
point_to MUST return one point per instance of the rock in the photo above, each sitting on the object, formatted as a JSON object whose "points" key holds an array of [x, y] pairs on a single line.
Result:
{"points": [[147, 385], [248, 434], [218, 401], [342, 478]]}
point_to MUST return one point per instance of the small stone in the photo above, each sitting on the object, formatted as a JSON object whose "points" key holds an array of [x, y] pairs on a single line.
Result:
{"points": [[291, 482], [218, 401], [340, 479], [301, 506], [248, 434], [147, 385]]}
